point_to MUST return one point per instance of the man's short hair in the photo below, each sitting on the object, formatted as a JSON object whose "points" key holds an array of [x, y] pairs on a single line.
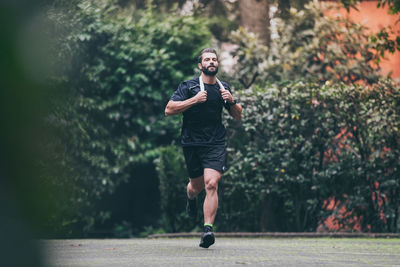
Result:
{"points": [[206, 50]]}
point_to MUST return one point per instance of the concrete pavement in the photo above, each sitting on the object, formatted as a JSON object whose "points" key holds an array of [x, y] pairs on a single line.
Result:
{"points": [[225, 252]]}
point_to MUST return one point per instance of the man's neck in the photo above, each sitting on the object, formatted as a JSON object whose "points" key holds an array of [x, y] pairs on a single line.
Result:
{"points": [[208, 79]]}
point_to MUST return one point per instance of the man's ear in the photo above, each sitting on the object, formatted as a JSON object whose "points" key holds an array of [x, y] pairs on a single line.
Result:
{"points": [[199, 65]]}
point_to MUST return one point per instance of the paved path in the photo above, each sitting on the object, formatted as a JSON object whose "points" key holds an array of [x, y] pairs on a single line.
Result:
{"points": [[225, 252]]}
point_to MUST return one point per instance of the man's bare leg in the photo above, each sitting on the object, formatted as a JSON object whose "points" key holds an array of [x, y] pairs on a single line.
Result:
{"points": [[211, 179]]}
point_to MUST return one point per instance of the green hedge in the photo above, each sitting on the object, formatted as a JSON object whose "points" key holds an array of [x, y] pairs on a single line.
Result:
{"points": [[300, 144]]}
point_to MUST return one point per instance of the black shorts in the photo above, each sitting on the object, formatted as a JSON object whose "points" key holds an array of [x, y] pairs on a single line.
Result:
{"points": [[199, 157]]}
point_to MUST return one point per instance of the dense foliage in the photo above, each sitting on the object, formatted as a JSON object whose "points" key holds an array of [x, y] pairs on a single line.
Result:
{"points": [[303, 143], [308, 46], [117, 74]]}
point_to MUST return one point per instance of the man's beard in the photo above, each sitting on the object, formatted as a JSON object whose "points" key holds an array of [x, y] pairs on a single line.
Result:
{"points": [[208, 72]]}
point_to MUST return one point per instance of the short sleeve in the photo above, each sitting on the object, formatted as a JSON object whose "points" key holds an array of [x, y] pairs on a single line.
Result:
{"points": [[181, 93]]}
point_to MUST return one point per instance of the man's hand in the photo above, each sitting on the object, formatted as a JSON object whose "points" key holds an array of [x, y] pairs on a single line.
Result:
{"points": [[226, 95], [201, 97]]}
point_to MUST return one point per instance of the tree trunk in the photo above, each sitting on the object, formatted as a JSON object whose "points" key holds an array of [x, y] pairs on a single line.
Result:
{"points": [[254, 16]]}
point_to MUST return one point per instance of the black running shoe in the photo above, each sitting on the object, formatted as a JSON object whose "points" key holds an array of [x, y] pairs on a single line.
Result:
{"points": [[191, 208], [207, 238]]}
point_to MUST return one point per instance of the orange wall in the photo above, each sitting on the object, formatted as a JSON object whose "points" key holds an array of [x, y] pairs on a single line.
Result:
{"points": [[375, 19]]}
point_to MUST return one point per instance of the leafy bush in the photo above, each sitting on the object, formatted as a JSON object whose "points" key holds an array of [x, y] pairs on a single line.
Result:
{"points": [[369, 173], [301, 143], [274, 166], [116, 74]]}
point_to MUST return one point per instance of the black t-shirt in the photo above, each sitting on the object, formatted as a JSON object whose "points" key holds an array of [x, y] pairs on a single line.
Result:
{"points": [[202, 125]]}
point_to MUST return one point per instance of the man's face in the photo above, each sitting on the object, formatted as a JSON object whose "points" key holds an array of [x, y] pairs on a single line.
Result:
{"points": [[209, 64]]}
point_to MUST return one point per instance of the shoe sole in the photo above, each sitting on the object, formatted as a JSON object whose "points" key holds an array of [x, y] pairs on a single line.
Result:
{"points": [[208, 240]]}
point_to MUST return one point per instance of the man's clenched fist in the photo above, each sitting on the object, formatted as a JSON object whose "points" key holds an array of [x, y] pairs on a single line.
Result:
{"points": [[201, 97]]}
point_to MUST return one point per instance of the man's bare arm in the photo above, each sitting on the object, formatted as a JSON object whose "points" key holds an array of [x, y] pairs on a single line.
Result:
{"points": [[236, 111], [176, 107]]}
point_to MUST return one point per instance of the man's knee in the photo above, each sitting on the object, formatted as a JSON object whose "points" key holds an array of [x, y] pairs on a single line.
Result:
{"points": [[212, 185]]}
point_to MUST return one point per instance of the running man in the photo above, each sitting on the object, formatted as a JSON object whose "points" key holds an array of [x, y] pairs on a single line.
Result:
{"points": [[201, 100]]}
